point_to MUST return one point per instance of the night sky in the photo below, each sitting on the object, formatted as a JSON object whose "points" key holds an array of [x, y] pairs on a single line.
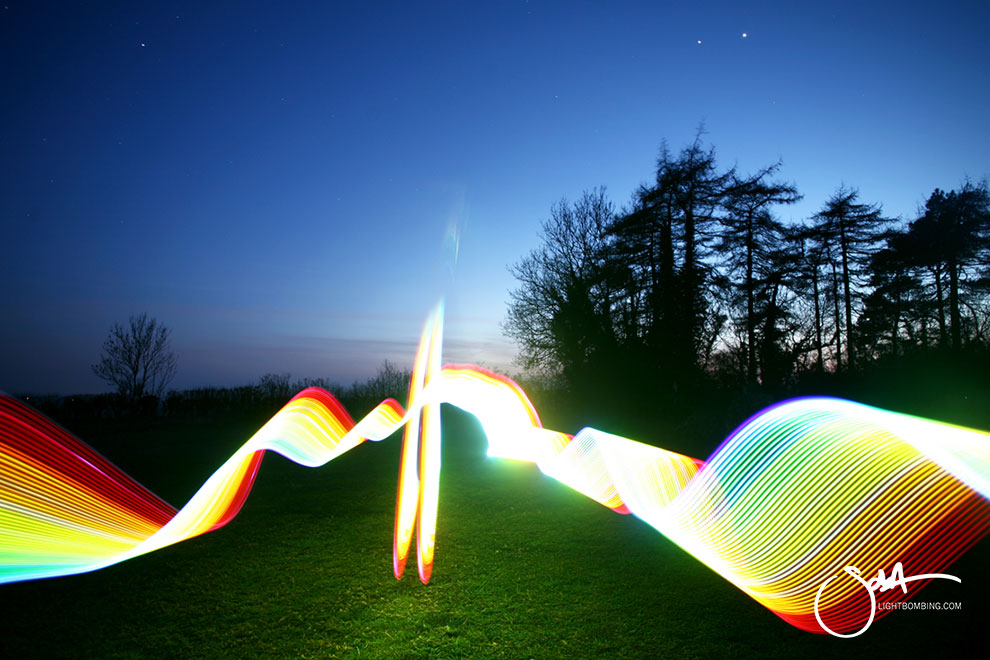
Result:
{"points": [[291, 186]]}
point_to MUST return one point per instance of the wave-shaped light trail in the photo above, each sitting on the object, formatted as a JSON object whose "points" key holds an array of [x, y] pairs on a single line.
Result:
{"points": [[797, 493]]}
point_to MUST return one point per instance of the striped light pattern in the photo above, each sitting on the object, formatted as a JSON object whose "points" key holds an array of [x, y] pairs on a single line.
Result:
{"points": [[796, 494], [64, 509]]}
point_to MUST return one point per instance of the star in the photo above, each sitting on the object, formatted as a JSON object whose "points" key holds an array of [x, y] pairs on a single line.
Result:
{"points": [[745, 35]]}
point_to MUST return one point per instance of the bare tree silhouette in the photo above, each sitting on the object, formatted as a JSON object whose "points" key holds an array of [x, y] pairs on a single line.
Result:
{"points": [[137, 359]]}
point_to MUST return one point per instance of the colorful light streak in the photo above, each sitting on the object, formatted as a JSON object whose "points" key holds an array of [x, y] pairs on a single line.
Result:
{"points": [[800, 491]]}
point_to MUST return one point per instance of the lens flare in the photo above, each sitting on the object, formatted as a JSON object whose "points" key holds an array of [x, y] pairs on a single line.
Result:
{"points": [[796, 494]]}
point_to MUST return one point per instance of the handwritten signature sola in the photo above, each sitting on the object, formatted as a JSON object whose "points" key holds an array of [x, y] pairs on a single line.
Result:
{"points": [[880, 583]]}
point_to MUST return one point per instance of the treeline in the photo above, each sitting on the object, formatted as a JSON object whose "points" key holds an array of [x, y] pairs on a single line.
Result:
{"points": [[698, 290], [256, 401]]}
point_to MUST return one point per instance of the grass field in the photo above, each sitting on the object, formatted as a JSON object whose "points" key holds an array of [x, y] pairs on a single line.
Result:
{"points": [[526, 568]]}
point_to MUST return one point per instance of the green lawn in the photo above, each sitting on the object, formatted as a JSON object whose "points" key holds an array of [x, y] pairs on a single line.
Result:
{"points": [[526, 568]]}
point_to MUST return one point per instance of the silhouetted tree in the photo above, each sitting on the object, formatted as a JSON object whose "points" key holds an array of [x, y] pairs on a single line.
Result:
{"points": [[694, 188], [664, 241], [137, 359], [778, 343], [389, 382], [810, 282], [643, 243], [892, 303], [849, 232], [749, 236], [561, 310], [276, 388], [955, 234]]}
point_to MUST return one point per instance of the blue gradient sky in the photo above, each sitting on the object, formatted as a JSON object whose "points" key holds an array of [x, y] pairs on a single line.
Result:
{"points": [[280, 183]]}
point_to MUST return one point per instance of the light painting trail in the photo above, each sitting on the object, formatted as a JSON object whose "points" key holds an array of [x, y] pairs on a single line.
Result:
{"points": [[796, 494]]}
